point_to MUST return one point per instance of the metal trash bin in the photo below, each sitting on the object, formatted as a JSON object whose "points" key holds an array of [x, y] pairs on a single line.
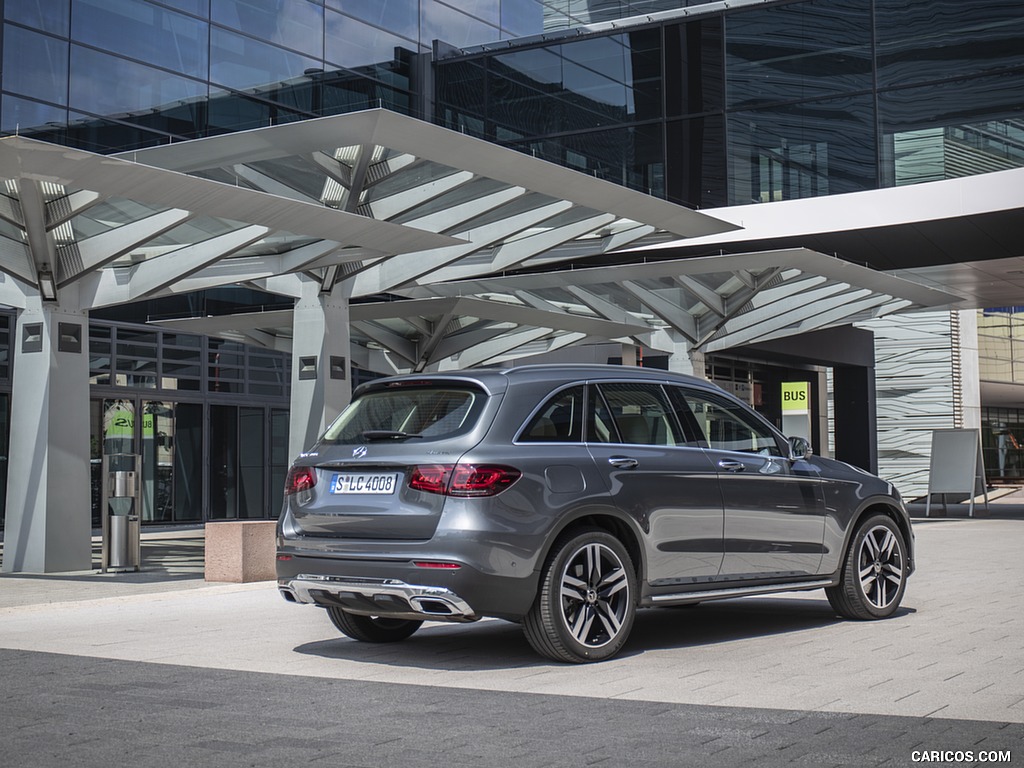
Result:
{"points": [[122, 546]]}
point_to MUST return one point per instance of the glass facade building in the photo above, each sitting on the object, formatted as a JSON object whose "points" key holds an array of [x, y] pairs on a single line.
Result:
{"points": [[105, 75], [757, 102], [760, 103]]}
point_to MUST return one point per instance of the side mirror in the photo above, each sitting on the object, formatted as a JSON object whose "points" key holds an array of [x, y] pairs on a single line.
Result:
{"points": [[799, 448]]}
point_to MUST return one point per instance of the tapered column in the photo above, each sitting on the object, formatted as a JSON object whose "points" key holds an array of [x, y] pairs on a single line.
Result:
{"points": [[48, 518], [321, 385], [686, 359]]}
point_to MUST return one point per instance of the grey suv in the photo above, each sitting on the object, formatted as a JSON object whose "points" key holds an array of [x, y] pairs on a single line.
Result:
{"points": [[564, 498]]}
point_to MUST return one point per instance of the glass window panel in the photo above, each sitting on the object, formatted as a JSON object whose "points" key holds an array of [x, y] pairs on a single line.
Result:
{"points": [[399, 16], [560, 420], [535, 67], [6, 321], [195, 7], [939, 39], [461, 87], [599, 93], [118, 434], [232, 112], [241, 62], [187, 476], [279, 458], [98, 135], [53, 16], [696, 173], [30, 118], [694, 67], [432, 413], [109, 85], [297, 24], [156, 485], [728, 428], [642, 414], [802, 150], [797, 51], [952, 129], [353, 44], [182, 340], [439, 22], [522, 17], [605, 56], [35, 65], [99, 355], [142, 31], [251, 466], [223, 475], [131, 334], [486, 10], [348, 92], [633, 157]]}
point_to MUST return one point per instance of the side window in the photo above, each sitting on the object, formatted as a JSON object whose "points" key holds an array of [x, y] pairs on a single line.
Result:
{"points": [[600, 427], [559, 420], [642, 414], [728, 427]]}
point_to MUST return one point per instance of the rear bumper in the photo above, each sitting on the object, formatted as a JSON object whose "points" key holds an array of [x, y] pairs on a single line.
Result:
{"points": [[396, 587], [377, 597]]}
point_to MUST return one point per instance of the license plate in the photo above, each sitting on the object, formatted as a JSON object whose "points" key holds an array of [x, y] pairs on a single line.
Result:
{"points": [[351, 482]]}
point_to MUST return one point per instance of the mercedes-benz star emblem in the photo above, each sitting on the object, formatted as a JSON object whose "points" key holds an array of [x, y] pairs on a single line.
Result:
{"points": [[358, 453]]}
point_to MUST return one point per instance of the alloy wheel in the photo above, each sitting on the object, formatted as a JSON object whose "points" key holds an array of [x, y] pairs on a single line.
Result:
{"points": [[594, 595], [881, 566]]}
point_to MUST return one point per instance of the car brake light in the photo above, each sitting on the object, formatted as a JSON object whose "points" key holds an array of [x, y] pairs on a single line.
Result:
{"points": [[463, 479], [432, 478], [299, 479], [484, 480]]}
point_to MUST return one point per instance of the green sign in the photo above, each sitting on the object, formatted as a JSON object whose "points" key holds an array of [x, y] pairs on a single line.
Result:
{"points": [[796, 397]]}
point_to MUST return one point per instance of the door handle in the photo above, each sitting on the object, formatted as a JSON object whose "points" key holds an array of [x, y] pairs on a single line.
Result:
{"points": [[622, 462], [731, 466]]}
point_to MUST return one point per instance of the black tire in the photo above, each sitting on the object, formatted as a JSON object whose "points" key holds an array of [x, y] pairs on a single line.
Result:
{"points": [[372, 629], [874, 575], [586, 605]]}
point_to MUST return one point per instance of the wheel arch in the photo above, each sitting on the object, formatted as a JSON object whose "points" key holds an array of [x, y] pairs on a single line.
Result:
{"points": [[617, 525], [884, 507]]}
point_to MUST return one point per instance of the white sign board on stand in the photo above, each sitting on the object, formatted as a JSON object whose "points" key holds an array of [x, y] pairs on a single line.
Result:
{"points": [[957, 466]]}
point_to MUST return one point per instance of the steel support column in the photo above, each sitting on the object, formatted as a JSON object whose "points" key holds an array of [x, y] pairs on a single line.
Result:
{"points": [[321, 385], [48, 519]]}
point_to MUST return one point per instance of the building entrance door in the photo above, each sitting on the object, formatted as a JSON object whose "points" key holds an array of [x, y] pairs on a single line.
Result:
{"points": [[168, 437]]}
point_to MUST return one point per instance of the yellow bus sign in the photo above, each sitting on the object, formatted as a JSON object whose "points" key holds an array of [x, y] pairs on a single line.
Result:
{"points": [[796, 397]]}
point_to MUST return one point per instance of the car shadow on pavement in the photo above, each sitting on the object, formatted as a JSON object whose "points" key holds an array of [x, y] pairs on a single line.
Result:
{"points": [[493, 645]]}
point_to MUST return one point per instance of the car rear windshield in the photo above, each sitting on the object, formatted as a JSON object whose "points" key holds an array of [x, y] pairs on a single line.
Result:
{"points": [[421, 413]]}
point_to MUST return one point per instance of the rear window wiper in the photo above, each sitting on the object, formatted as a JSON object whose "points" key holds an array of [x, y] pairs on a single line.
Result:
{"points": [[387, 434]]}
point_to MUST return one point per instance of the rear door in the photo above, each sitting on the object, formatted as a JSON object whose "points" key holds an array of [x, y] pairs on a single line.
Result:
{"points": [[661, 479]]}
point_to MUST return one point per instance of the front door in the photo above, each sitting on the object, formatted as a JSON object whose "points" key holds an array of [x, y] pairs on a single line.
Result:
{"points": [[774, 507]]}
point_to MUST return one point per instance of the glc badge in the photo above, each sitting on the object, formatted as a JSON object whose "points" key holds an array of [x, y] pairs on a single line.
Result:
{"points": [[358, 453]]}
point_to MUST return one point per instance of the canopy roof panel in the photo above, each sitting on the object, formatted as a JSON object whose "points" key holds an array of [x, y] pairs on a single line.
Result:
{"points": [[711, 303], [376, 198], [378, 204]]}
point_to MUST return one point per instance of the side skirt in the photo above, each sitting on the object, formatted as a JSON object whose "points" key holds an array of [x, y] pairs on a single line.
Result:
{"points": [[722, 594]]}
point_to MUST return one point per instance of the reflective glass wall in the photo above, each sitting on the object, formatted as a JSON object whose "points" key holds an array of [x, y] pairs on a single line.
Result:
{"points": [[116, 74], [767, 102]]}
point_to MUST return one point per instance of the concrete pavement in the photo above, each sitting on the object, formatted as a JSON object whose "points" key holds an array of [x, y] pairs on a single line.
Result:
{"points": [[947, 670]]}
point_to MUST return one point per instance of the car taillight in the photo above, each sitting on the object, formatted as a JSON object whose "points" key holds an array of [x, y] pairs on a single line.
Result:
{"points": [[432, 478], [484, 480], [299, 479], [463, 479]]}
